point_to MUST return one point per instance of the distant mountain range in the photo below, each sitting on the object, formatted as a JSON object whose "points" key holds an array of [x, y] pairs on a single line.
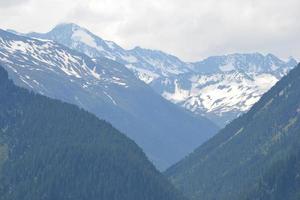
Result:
{"points": [[219, 87], [256, 157], [52, 150], [108, 89]]}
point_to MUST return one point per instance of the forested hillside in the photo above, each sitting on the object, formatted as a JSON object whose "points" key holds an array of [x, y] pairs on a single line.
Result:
{"points": [[254, 157], [281, 181], [53, 150]]}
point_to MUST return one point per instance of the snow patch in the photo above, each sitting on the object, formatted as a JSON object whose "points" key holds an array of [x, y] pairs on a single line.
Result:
{"points": [[114, 102], [84, 37], [129, 58], [110, 44], [20, 46], [178, 95], [227, 67], [265, 81], [95, 74], [144, 75]]}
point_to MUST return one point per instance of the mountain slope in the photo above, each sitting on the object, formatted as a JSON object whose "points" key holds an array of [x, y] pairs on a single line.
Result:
{"points": [[54, 150], [231, 164], [219, 87], [108, 89]]}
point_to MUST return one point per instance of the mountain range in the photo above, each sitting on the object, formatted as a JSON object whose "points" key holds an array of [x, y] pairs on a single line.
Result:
{"points": [[219, 87], [164, 104], [106, 88], [256, 157]]}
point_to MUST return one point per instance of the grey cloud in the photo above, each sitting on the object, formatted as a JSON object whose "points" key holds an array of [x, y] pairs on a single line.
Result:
{"points": [[189, 29], [10, 3]]}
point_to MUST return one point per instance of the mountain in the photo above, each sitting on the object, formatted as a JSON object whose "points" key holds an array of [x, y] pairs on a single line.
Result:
{"points": [[146, 64], [219, 87], [54, 150], [223, 87], [106, 88], [250, 155]]}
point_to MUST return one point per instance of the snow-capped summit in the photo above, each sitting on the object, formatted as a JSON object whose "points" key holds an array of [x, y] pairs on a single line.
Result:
{"points": [[146, 64], [81, 39]]}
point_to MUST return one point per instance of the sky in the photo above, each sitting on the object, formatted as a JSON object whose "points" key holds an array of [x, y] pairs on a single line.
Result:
{"points": [[189, 29]]}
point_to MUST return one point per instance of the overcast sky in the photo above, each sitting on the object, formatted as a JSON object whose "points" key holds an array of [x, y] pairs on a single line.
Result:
{"points": [[189, 29]]}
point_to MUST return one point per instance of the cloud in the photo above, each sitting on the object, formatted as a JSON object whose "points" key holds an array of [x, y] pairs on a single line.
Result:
{"points": [[9, 3], [189, 29]]}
